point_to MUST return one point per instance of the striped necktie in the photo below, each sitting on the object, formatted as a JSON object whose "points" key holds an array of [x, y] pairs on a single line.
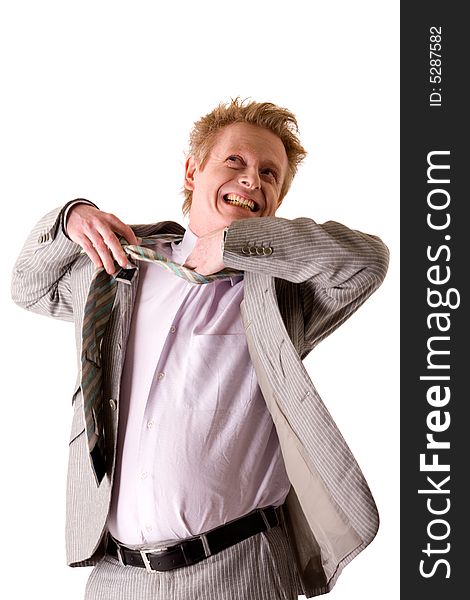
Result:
{"points": [[149, 255], [98, 308]]}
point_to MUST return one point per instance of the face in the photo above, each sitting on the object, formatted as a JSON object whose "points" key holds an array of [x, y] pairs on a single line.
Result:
{"points": [[242, 178]]}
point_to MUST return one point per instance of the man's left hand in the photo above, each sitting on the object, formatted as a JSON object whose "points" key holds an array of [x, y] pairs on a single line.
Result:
{"points": [[206, 257]]}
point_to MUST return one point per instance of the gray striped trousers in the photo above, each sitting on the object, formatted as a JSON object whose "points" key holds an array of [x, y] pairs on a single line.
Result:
{"points": [[258, 568]]}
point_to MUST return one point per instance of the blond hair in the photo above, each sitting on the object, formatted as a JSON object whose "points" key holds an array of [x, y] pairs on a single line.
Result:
{"points": [[263, 114]]}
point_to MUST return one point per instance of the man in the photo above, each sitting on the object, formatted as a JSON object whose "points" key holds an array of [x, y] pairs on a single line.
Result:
{"points": [[227, 477]]}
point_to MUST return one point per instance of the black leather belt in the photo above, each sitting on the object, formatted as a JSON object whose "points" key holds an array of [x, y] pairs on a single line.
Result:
{"points": [[192, 550]]}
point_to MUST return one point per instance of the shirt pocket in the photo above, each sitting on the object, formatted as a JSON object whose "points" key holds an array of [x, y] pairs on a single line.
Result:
{"points": [[220, 374]]}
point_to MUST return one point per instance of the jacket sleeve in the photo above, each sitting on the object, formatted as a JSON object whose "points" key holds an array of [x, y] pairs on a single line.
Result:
{"points": [[42, 272], [335, 268]]}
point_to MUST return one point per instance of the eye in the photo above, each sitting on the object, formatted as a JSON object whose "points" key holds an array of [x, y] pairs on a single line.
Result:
{"points": [[270, 173], [234, 159]]}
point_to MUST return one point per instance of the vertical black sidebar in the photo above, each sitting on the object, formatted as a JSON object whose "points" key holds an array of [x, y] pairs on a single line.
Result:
{"points": [[435, 318]]}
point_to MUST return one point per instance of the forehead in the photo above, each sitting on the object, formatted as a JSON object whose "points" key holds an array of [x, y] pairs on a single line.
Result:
{"points": [[257, 142]]}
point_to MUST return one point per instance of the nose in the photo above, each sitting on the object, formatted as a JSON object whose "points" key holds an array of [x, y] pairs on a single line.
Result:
{"points": [[250, 179]]}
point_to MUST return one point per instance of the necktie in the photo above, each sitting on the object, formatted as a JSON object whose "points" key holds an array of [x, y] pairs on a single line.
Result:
{"points": [[97, 312], [149, 255]]}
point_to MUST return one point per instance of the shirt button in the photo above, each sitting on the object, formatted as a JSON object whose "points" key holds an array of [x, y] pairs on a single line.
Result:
{"points": [[161, 375], [150, 424], [113, 404], [172, 329], [144, 475], [148, 527]]}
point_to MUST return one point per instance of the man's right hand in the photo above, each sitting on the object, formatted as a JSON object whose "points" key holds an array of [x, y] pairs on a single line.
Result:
{"points": [[95, 231]]}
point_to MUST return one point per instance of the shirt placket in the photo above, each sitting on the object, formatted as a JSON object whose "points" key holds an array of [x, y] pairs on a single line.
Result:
{"points": [[146, 479]]}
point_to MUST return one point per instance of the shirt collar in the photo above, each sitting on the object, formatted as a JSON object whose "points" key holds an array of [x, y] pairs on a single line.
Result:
{"points": [[181, 250]]}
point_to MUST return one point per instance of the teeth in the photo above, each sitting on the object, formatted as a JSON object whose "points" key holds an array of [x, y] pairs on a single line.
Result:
{"points": [[240, 201]]}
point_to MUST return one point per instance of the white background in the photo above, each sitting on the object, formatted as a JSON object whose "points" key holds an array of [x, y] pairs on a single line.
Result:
{"points": [[97, 101]]}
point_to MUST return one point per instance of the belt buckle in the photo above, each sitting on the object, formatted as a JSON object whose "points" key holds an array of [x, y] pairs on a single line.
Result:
{"points": [[143, 554]]}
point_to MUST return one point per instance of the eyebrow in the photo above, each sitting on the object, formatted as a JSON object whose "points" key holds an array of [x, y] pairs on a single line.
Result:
{"points": [[272, 165]]}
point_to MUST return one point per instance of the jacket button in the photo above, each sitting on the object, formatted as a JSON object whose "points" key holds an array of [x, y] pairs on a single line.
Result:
{"points": [[113, 404]]}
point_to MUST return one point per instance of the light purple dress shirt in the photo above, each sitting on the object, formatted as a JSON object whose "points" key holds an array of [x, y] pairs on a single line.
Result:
{"points": [[197, 446]]}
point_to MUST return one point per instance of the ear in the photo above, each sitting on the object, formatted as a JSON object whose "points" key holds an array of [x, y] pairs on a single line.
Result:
{"points": [[190, 169]]}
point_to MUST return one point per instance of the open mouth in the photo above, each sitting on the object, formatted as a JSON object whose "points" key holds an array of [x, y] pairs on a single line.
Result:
{"points": [[237, 200]]}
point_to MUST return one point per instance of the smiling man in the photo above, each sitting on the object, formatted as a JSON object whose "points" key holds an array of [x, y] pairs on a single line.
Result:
{"points": [[242, 177], [245, 170], [203, 463]]}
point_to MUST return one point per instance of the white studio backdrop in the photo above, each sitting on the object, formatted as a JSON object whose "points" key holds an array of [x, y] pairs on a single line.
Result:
{"points": [[97, 102]]}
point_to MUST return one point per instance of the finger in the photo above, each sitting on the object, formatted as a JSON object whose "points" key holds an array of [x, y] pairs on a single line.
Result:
{"points": [[102, 250], [115, 247], [90, 251], [122, 229]]}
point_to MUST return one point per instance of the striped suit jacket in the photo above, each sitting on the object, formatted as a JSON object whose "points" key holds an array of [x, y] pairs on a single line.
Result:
{"points": [[314, 279]]}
